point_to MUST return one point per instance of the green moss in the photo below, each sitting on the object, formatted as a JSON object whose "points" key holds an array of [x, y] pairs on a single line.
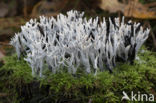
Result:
{"points": [[17, 81]]}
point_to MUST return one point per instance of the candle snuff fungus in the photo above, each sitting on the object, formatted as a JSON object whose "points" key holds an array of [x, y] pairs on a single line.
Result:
{"points": [[72, 41]]}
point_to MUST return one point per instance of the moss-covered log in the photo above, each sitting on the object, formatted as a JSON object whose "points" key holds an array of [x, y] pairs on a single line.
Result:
{"points": [[18, 85]]}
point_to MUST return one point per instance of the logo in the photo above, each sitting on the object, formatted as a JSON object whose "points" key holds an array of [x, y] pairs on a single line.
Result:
{"points": [[137, 97]]}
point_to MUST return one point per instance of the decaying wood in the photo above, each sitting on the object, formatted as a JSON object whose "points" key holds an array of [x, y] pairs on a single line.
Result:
{"points": [[49, 8], [3, 94], [111, 5], [9, 25], [133, 9], [6, 44], [25, 11], [153, 36]]}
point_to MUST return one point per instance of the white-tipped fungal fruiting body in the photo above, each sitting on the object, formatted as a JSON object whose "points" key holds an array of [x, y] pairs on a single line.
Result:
{"points": [[72, 41]]}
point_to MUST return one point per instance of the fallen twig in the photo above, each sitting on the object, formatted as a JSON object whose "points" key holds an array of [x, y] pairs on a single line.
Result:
{"points": [[6, 44], [3, 94]]}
